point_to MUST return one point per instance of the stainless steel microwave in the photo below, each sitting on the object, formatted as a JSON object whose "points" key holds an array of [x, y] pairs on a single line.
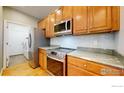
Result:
{"points": [[63, 28]]}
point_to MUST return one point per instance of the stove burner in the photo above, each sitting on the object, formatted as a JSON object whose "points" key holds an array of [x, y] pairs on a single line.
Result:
{"points": [[59, 53]]}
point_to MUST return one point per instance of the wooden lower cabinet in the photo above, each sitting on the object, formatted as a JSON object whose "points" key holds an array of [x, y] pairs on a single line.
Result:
{"points": [[42, 58], [81, 67], [77, 71]]}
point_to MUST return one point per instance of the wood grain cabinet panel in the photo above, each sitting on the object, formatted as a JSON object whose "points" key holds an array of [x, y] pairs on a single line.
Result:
{"points": [[47, 30], [50, 20], [67, 12], [58, 15], [100, 18], [85, 19], [77, 62], [42, 24], [82, 66], [42, 59], [102, 69], [51, 25], [77, 71], [80, 20], [115, 18]]}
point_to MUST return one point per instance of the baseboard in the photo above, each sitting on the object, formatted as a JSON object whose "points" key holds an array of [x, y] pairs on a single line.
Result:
{"points": [[1, 72]]}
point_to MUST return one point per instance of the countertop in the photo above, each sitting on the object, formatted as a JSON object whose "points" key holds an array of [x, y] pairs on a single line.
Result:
{"points": [[102, 58], [49, 47]]}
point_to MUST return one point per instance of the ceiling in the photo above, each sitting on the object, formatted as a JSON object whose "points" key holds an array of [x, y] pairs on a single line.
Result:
{"points": [[36, 11]]}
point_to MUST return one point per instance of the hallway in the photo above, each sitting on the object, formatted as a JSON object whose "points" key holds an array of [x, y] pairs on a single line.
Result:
{"points": [[17, 59]]}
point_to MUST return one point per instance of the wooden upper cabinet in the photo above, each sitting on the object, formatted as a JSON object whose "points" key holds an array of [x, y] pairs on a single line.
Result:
{"points": [[42, 24], [47, 28], [50, 20], [58, 15], [67, 12], [80, 19], [51, 24], [100, 18], [115, 18], [39, 24], [85, 19]]}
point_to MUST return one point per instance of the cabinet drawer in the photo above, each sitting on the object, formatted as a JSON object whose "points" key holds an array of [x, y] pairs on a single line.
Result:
{"points": [[102, 69], [95, 67], [77, 71], [77, 62]]}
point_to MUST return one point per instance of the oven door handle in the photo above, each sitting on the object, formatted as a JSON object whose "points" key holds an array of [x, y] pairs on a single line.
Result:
{"points": [[55, 59]]}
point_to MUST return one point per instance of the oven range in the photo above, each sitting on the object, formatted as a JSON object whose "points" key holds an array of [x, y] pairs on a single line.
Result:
{"points": [[56, 61]]}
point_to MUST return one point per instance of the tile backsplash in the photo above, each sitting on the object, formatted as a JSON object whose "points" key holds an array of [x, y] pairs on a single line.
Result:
{"points": [[104, 40]]}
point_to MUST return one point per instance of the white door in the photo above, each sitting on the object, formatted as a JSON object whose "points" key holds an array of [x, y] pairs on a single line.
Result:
{"points": [[6, 46], [14, 36], [17, 35]]}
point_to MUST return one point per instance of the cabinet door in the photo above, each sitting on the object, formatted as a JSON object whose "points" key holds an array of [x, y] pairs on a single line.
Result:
{"points": [[80, 19], [103, 70], [115, 18], [99, 18], [77, 71], [51, 25], [67, 12], [58, 15], [41, 60], [50, 20], [47, 30], [42, 24]]}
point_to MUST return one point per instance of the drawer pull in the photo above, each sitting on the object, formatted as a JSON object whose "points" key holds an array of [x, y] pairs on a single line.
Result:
{"points": [[85, 65]]}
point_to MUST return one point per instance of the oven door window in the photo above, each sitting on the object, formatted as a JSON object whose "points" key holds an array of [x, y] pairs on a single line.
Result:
{"points": [[55, 67]]}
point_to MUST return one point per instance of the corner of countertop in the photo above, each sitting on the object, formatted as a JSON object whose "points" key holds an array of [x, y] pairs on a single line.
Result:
{"points": [[49, 47]]}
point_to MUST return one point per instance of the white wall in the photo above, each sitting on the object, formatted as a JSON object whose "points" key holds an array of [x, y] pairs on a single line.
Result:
{"points": [[106, 41], [14, 15], [1, 32], [17, 34], [120, 34]]}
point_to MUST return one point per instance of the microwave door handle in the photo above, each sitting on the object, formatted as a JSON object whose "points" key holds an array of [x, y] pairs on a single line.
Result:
{"points": [[66, 26]]}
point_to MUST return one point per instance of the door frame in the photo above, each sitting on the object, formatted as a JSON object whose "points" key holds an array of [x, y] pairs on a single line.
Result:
{"points": [[5, 28]]}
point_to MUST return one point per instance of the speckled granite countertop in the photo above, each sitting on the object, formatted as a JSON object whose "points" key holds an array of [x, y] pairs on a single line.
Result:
{"points": [[49, 47], [102, 58]]}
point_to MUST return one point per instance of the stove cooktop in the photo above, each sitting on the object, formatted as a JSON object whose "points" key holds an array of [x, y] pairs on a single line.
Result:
{"points": [[59, 53], [64, 50]]}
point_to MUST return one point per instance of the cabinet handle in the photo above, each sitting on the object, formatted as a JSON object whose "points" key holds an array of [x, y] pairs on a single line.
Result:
{"points": [[85, 65]]}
